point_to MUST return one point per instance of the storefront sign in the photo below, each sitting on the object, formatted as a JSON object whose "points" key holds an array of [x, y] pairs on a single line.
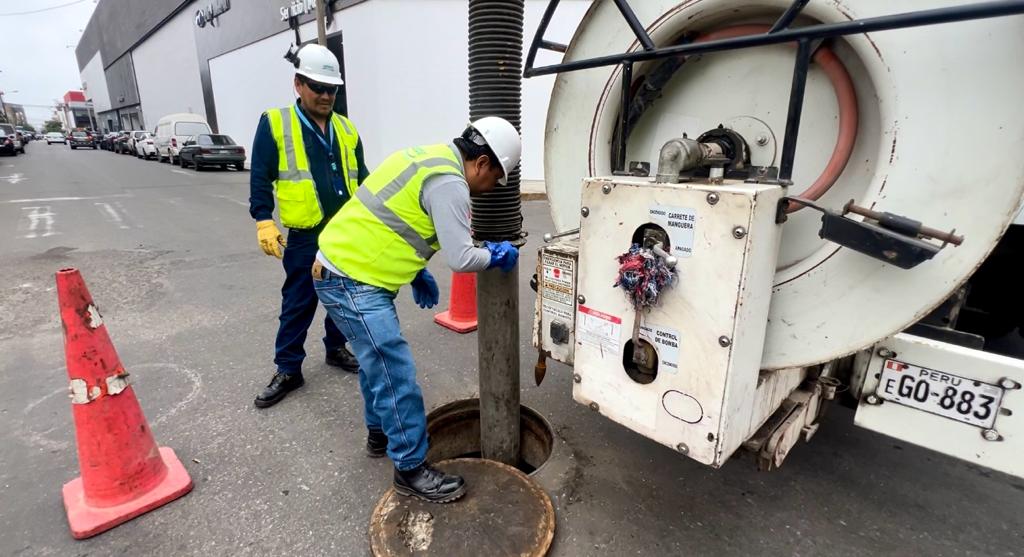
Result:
{"points": [[209, 13], [297, 8]]}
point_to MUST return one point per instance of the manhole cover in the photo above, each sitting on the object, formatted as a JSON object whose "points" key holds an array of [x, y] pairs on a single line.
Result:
{"points": [[504, 512]]}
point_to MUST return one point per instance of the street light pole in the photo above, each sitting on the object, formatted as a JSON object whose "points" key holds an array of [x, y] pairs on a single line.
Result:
{"points": [[321, 25]]}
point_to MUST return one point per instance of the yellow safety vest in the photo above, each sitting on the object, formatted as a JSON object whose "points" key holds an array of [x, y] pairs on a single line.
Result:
{"points": [[297, 199], [383, 236]]}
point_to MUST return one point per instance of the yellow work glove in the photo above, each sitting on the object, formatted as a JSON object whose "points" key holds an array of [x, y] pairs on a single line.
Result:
{"points": [[271, 240]]}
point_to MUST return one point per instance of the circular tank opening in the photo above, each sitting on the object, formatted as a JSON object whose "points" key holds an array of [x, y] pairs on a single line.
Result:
{"points": [[454, 432], [649, 234]]}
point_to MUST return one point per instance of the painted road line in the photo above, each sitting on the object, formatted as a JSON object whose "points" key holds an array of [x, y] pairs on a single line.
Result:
{"points": [[111, 215], [40, 221], [231, 199], [72, 198]]}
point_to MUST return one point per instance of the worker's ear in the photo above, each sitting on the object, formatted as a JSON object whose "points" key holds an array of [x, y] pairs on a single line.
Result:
{"points": [[477, 165], [481, 164]]}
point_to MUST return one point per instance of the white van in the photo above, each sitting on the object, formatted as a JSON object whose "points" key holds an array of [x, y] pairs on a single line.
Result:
{"points": [[172, 130]]}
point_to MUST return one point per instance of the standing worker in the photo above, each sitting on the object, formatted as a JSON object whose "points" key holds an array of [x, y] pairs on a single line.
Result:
{"points": [[416, 203], [311, 159]]}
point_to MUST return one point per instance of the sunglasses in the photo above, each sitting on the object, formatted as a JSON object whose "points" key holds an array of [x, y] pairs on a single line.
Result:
{"points": [[321, 88]]}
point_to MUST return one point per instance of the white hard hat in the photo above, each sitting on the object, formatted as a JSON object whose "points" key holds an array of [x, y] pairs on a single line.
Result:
{"points": [[504, 141], [319, 64]]}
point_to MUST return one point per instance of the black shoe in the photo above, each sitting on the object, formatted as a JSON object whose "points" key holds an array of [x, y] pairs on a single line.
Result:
{"points": [[426, 483], [344, 359], [376, 444], [279, 387]]}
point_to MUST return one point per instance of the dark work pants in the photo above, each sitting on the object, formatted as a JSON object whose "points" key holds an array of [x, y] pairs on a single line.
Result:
{"points": [[298, 304]]}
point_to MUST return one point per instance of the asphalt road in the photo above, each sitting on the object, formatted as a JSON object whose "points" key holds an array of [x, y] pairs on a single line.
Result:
{"points": [[191, 304]]}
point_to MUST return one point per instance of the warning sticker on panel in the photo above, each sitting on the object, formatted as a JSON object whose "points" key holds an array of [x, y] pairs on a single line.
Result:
{"points": [[679, 222], [557, 311], [559, 278], [599, 330], [666, 343]]}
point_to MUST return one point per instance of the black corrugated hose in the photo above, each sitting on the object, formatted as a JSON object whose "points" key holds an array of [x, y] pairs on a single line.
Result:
{"points": [[495, 89]]}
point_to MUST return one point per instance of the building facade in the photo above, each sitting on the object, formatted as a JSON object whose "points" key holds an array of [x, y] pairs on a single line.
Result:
{"points": [[223, 60], [15, 114], [75, 112]]}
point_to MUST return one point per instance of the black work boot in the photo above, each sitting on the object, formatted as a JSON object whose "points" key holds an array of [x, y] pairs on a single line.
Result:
{"points": [[376, 444], [279, 387], [429, 484], [344, 359]]}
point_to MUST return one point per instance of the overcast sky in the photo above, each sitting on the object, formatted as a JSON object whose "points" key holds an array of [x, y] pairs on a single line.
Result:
{"points": [[37, 64]]}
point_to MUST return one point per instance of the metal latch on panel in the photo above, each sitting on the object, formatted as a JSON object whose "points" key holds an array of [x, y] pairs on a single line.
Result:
{"points": [[559, 332], [894, 239]]}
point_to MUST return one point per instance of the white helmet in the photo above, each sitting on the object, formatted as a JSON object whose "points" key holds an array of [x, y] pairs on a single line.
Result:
{"points": [[503, 139], [319, 64]]}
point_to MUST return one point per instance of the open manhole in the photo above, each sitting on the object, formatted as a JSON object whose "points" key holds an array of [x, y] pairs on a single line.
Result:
{"points": [[504, 513], [454, 431], [506, 510]]}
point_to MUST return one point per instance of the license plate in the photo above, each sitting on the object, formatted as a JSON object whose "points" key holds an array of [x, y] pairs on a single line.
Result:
{"points": [[938, 392]]}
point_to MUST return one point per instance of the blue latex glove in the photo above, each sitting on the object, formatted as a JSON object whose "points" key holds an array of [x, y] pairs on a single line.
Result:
{"points": [[503, 255], [424, 290]]}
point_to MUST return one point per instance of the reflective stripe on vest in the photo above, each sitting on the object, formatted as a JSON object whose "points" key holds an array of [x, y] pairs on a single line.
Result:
{"points": [[375, 204], [383, 237], [291, 170], [297, 198]]}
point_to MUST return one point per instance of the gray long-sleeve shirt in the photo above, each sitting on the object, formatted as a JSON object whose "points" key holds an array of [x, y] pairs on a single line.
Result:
{"points": [[445, 197]]}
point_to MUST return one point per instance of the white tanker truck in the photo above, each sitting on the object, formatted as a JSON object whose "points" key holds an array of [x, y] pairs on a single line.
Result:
{"points": [[832, 185]]}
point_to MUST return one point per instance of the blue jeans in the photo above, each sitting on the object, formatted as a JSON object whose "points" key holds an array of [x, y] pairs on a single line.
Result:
{"points": [[298, 304], [392, 400]]}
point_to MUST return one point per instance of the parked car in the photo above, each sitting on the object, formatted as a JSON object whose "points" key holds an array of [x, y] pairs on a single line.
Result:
{"points": [[120, 143], [9, 142], [82, 139], [107, 141], [133, 137], [173, 129], [23, 136], [211, 150], [26, 135], [145, 147], [56, 137]]}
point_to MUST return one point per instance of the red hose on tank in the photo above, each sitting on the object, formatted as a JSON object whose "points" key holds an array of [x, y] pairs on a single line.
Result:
{"points": [[846, 98]]}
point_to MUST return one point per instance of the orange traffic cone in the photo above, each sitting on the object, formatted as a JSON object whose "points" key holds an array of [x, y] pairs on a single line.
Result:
{"points": [[461, 314], [124, 474]]}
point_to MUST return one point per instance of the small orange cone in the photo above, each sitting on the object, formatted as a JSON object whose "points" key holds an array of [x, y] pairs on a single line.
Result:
{"points": [[124, 474], [461, 314]]}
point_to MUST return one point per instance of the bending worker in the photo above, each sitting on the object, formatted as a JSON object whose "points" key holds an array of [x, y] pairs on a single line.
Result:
{"points": [[416, 203], [311, 159]]}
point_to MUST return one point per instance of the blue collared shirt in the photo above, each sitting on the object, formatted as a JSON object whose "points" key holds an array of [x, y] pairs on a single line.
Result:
{"points": [[264, 172]]}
